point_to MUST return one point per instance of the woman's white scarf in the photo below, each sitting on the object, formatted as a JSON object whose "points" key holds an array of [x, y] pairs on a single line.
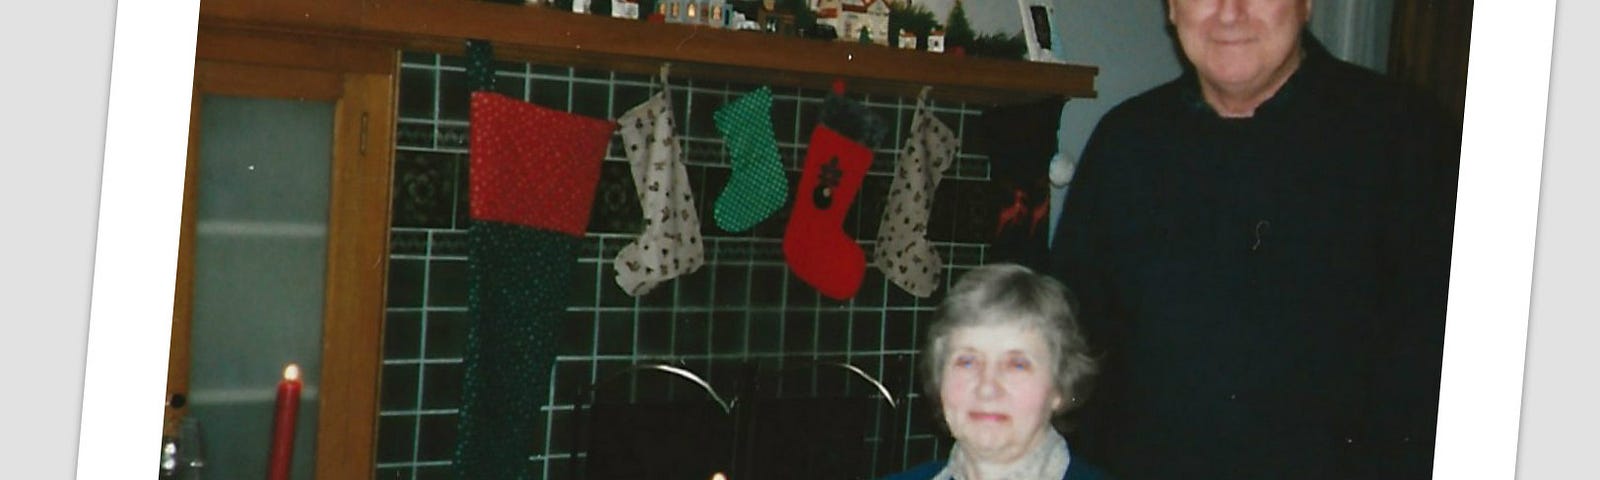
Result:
{"points": [[1048, 461]]}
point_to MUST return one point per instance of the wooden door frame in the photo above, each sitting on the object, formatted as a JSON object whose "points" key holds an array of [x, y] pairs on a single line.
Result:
{"points": [[361, 82]]}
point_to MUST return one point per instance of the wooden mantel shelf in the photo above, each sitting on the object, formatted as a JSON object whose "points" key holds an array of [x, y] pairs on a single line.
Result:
{"points": [[541, 34]]}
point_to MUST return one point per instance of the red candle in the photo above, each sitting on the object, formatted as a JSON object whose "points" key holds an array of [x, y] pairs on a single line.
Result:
{"points": [[283, 420]]}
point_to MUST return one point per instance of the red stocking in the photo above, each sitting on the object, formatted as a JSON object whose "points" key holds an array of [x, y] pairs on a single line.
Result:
{"points": [[814, 244]]}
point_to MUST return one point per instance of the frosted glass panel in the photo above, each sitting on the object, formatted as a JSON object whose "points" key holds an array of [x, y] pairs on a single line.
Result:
{"points": [[260, 260]]}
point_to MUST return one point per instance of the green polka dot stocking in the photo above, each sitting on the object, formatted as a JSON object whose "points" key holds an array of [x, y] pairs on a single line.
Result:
{"points": [[757, 187]]}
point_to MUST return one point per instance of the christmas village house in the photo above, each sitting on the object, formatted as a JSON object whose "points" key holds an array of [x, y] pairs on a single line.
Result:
{"points": [[711, 13], [908, 40], [628, 9], [851, 17]]}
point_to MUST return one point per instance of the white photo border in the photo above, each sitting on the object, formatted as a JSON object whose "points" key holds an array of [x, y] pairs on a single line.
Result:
{"points": [[1491, 272]]}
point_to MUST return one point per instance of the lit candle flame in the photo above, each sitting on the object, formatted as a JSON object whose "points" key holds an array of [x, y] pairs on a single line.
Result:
{"points": [[291, 372], [718, 476]]}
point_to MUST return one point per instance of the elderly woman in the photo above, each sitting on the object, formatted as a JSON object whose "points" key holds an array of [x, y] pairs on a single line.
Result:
{"points": [[1004, 356]]}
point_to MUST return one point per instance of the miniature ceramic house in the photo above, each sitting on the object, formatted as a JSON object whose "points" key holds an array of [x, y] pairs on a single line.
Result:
{"points": [[722, 14], [828, 13], [936, 40], [856, 15], [673, 10], [908, 40], [830, 8], [711, 13], [628, 9], [738, 21], [775, 19]]}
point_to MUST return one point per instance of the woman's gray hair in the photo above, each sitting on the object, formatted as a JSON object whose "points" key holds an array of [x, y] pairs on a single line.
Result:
{"points": [[1010, 294]]}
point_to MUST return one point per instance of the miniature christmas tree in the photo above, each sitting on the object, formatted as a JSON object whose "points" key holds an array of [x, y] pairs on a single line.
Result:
{"points": [[999, 45], [805, 20], [958, 31]]}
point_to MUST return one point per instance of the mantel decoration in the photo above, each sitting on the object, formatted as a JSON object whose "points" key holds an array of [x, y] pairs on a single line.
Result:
{"points": [[900, 24], [1039, 31]]}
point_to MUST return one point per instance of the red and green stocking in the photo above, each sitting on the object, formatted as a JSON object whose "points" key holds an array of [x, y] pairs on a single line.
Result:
{"points": [[533, 174]]}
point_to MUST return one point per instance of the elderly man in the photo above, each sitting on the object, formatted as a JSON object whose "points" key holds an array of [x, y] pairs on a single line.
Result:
{"points": [[1261, 251]]}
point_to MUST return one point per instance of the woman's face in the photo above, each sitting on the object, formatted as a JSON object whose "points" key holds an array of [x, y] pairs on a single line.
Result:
{"points": [[997, 390]]}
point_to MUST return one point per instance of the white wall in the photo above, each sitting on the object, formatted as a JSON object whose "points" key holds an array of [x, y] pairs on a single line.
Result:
{"points": [[986, 16], [1128, 41]]}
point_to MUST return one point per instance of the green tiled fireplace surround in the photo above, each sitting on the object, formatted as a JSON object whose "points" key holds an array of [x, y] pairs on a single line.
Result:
{"points": [[743, 307]]}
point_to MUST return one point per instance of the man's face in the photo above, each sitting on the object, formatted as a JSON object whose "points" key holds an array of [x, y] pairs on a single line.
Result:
{"points": [[1240, 46]]}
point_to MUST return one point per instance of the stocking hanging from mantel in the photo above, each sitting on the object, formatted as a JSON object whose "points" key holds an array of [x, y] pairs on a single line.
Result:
{"points": [[1021, 141], [904, 253], [533, 175], [756, 184], [670, 245], [815, 244]]}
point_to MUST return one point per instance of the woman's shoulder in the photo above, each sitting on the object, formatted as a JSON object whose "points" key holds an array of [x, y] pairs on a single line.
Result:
{"points": [[920, 472], [1075, 471]]}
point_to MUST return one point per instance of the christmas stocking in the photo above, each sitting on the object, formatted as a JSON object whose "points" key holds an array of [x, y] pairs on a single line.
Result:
{"points": [[814, 243], [903, 252], [757, 187], [1021, 141], [670, 245], [852, 119], [533, 174]]}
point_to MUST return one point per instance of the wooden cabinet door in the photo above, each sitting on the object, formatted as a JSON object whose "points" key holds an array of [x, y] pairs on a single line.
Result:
{"points": [[282, 258]]}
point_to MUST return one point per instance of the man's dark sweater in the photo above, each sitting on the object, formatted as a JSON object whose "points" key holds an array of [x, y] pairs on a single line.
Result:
{"points": [[1268, 292]]}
